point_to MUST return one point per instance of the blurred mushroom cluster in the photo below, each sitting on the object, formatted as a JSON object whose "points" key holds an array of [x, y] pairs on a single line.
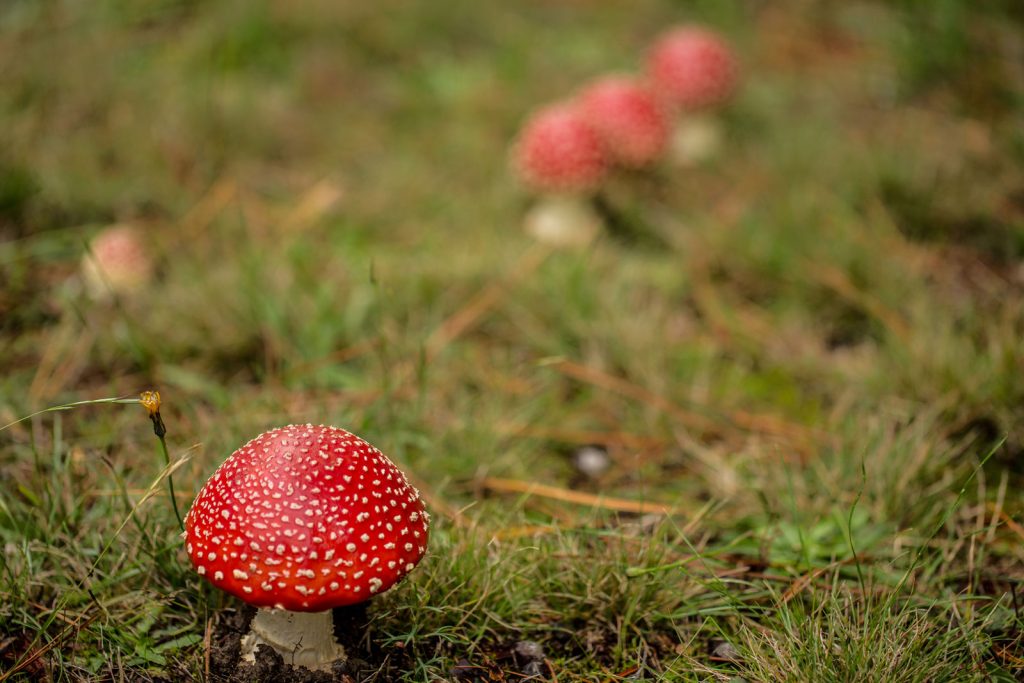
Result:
{"points": [[567, 151]]}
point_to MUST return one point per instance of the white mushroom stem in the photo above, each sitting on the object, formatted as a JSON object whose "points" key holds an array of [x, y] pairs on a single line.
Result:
{"points": [[563, 221], [302, 638], [696, 138]]}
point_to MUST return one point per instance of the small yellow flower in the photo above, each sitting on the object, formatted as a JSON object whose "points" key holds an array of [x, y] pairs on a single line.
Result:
{"points": [[151, 402]]}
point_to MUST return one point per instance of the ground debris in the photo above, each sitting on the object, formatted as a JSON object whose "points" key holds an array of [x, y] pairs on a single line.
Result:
{"points": [[487, 672], [15, 650], [529, 656]]}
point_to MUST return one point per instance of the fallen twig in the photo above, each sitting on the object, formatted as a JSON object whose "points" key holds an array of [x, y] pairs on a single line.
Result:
{"points": [[530, 488]]}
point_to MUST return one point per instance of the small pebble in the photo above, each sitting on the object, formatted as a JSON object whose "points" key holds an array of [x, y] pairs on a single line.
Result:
{"points": [[726, 650], [465, 671], [591, 461], [529, 650]]}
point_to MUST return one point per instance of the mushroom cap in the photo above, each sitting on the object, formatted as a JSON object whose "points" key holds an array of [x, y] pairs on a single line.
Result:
{"points": [[558, 151], [629, 119], [692, 68], [117, 261], [306, 518]]}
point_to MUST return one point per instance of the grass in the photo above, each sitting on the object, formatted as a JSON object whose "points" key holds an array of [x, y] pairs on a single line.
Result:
{"points": [[819, 370]]}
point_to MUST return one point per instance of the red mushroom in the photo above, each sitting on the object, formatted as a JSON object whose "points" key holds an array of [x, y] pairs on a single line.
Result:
{"points": [[117, 262], [560, 156], [298, 521], [628, 118], [692, 68], [558, 151]]}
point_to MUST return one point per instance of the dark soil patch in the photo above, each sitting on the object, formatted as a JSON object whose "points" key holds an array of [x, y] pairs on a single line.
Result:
{"points": [[365, 661], [16, 650]]}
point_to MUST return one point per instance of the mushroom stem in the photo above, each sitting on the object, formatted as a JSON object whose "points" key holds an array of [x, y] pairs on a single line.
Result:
{"points": [[301, 638], [696, 138], [563, 221]]}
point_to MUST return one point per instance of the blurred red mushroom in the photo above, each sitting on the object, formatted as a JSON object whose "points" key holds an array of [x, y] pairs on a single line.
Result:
{"points": [[693, 70], [559, 152], [559, 155], [632, 125], [298, 521], [116, 262]]}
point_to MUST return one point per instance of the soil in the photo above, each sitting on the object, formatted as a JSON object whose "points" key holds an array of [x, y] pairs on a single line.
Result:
{"points": [[365, 663]]}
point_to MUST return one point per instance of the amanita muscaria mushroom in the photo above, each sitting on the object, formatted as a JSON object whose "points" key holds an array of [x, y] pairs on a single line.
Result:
{"points": [[693, 70], [300, 520], [117, 262], [558, 151], [630, 121], [559, 155], [692, 67]]}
